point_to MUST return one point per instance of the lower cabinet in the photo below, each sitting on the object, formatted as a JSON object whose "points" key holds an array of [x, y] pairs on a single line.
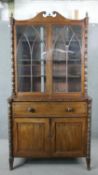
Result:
{"points": [[31, 137], [69, 137], [46, 137]]}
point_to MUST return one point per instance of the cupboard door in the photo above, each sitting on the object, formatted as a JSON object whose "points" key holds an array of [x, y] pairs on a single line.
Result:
{"points": [[68, 137], [31, 137]]}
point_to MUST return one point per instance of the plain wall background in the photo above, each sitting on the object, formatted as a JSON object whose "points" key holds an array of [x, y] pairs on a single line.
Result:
{"points": [[6, 74]]}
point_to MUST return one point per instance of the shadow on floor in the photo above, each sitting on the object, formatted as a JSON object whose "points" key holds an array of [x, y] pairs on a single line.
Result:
{"points": [[19, 162]]}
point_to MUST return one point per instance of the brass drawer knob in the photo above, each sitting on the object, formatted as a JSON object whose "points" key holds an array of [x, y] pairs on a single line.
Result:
{"points": [[30, 109], [69, 109]]}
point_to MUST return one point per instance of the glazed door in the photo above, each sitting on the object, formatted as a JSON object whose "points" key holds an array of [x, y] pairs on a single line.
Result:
{"points": [[68, 137], [31, 137], [49, 59], [67, 58], [31, 58]]}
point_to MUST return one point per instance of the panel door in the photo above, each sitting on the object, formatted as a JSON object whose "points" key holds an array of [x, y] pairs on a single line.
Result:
{"points": [[69, 137], [31, 137]]}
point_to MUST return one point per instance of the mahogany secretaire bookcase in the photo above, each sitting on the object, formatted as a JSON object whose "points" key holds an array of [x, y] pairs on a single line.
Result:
{"points": [[49, 110]]}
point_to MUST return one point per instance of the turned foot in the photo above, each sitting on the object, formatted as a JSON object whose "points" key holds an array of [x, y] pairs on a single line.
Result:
{"points": [[88, 163], [11, 160]]}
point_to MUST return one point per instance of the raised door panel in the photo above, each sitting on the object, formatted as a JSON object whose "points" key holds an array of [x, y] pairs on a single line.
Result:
{"points": [[31, 137], [69, 137]]}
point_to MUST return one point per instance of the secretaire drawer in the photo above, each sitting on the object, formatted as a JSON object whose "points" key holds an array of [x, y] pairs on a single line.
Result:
{"points": [[49, 108]]}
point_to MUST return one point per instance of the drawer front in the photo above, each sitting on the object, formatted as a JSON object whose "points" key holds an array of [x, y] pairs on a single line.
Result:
{"points": [[49, 108]]}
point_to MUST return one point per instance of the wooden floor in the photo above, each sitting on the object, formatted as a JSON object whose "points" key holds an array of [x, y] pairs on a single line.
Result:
{"points": [[48, 167]]}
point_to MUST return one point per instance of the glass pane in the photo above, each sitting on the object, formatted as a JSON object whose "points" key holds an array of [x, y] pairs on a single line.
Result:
{"points": [[31, 62], [67, 58], [24, 83]]}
